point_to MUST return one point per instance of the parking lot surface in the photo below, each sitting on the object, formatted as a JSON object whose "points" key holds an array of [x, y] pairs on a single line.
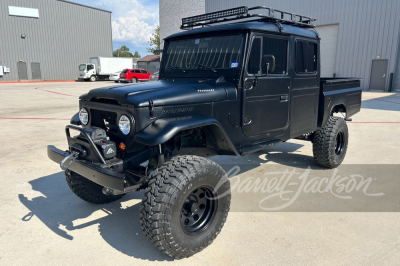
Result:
{"points": [[43, 222]]}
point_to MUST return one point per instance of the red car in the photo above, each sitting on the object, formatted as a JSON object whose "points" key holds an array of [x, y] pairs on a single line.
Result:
{"points": [[134, 75]]}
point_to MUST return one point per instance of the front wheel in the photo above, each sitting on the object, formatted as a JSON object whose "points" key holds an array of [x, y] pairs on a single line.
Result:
{"points": [[88, 190], [185, 205], [116, 81], [330, 143], [93, 78]]}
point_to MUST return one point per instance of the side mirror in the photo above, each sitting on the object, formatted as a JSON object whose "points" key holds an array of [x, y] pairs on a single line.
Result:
{"points": [[268, 64]]}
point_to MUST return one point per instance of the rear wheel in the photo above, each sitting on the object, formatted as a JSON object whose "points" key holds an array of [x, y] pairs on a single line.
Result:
{"points": [[185, 205], [330, 143], [134, 80], [88, 190], [93, 78], [116, 81]]}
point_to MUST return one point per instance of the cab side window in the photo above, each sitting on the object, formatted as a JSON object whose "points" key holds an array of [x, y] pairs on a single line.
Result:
{"points": [[273, 48], [255, 55], [143, 71], [278, 49], [306, 57]]}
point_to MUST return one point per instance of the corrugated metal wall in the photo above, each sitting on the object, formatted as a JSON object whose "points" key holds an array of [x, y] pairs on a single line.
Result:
{"points": [[63, 36], [367, 29], [151, 67]]}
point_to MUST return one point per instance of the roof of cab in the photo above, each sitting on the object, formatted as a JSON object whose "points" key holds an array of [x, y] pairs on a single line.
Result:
{"points": [[257, 26]]}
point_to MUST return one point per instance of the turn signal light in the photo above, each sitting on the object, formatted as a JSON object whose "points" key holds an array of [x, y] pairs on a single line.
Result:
{"points": [[122, 146]]}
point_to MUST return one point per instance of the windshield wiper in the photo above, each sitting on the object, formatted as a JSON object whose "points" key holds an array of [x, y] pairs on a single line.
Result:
{"points": [[212, 69], [178, 68]]}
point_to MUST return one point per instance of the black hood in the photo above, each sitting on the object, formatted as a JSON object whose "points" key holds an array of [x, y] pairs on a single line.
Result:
{"points": [[166, 92]]}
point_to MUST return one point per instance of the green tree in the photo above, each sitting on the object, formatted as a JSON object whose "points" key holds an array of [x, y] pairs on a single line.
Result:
{"points": [[122, 52], [155, 43], [137, 55]]}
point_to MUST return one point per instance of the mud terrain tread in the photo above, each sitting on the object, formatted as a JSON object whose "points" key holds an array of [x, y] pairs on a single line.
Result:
{"points": [[324, 140], [159, 197], [88, 190]]}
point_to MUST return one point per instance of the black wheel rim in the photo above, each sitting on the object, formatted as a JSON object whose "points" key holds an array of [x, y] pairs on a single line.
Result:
{"points": [[339, 143], [198, 210]]}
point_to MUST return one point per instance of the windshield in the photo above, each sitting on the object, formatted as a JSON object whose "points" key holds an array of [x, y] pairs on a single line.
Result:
{"points": [[219, 52], [82, 67]]}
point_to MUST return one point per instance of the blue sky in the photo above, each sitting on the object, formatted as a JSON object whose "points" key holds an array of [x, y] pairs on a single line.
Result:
{"points": [[133, 21]]}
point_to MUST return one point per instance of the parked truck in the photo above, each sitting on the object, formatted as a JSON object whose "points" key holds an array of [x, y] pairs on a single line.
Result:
{"points": [[232, 89], [102, 67]]}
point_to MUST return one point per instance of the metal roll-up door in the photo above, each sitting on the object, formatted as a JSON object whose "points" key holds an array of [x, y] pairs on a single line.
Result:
{"points": [[329, 40]]}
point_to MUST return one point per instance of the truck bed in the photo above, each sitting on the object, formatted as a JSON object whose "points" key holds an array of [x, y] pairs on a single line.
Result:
{"points": [[339, 94]]}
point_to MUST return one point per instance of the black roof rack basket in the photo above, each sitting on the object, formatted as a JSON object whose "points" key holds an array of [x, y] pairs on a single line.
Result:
{"points": [[242, 13]]}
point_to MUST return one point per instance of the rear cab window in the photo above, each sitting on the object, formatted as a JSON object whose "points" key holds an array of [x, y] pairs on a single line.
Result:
{"points": [[306, 57]]}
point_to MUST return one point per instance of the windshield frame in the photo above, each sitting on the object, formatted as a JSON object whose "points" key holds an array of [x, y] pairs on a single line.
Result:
{"points": [[203, 72], [80, 67]]}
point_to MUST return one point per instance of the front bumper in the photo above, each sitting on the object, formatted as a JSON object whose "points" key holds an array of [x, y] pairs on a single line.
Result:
{"points": [[93, 172]]}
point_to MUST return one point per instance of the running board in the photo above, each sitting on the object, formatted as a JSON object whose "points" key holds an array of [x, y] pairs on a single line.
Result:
{"points": [[259, 147]]}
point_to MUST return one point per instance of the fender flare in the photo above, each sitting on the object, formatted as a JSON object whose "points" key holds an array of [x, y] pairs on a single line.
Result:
{"points": [[163, 129], [327, 113]]}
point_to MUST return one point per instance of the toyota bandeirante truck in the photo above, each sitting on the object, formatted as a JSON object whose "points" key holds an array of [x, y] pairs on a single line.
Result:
{"points": [[233, 84]]}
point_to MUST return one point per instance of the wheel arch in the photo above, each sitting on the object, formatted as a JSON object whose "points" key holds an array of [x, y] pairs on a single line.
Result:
{"points": [[336, 108], [164, 129]]}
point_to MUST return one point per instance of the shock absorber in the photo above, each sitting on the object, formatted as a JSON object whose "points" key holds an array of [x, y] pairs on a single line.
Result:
{"points": [[160, 158]]}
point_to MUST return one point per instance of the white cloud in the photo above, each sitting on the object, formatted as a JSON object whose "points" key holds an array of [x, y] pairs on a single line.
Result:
{"points": [[132, 21], [132, 29]]}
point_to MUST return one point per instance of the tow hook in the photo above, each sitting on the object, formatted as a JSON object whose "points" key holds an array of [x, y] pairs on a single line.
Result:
{"points": [[73, 156]]}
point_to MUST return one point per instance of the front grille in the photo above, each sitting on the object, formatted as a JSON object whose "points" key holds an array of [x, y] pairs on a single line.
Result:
{"points": [[104, 119], [105, 100]]}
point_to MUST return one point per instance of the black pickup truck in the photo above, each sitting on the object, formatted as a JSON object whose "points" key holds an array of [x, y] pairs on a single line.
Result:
{"points": [[231, 89]]}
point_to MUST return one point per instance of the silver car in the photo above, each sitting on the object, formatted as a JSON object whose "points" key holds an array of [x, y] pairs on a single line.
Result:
{"points": [[115, 77]]}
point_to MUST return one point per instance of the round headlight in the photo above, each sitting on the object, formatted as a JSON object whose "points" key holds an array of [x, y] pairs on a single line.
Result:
{"points": [[124, 124], [84, 116]]}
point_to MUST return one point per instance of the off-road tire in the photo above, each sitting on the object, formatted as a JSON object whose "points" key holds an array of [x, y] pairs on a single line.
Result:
{"points": [[88, 190], [93, 78], [134, 80], [160, 211], [325, 143]]}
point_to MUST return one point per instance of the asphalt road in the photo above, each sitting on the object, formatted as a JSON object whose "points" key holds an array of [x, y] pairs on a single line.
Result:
{"points": [[301, 221]]}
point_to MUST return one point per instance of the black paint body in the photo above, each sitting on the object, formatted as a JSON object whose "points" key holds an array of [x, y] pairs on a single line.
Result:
{"points": [[239, 113]]}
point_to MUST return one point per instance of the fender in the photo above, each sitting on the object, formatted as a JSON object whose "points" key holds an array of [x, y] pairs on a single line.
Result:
{"points": [[326, 113], [163, 129], [75, 120]]}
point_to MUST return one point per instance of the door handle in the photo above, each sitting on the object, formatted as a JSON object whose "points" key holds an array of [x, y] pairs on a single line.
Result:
{"points": [[284, 98]]}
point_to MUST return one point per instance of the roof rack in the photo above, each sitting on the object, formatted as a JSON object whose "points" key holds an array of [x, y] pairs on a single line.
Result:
{"points": [[242, 13]]}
